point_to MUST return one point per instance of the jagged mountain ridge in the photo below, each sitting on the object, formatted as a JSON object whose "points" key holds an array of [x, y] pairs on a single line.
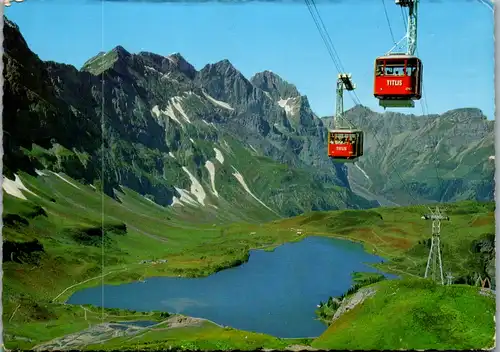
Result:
{"points": [[180, 136], [439, 157]]}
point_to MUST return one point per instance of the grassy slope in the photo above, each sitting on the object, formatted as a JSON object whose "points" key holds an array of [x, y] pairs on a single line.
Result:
{"points": [[424, 316], [394, 233], [154, 232]]}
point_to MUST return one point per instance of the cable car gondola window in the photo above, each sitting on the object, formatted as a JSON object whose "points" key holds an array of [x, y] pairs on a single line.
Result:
{"points": [[412, 69], [394, 68]]}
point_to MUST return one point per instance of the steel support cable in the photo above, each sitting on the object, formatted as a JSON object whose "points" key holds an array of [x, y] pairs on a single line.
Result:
{"points": [[487, 4], [359, 102], [388, 22], [338, 65], [330, 48], [326, 34], [329, 43], [392, 35], [436, 160], [425, 113], [330, 52], [313, 10], [355, 98], [398, 174], [403, 15]]}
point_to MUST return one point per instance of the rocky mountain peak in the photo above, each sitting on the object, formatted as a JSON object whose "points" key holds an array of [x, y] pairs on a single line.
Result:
{"points": [[224, 82], [121, 51], [104, 61], [274, 85], [464, 114], [181, 64], [360, 109], [14, 42], [222, 67], [9, 23]]}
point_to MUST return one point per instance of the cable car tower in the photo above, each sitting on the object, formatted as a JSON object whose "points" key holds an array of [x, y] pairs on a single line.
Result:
{"points": [[345, 144], [398, 75], [411, 31], [435, 252]]}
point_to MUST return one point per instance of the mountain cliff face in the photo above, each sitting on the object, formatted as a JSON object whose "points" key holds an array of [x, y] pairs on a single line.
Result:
{"points": [[182, 137], [410, 159]]}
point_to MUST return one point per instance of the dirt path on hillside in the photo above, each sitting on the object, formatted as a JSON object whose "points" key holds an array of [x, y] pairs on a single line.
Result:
{"points": [[84, 281], [100, 333], [350, 302]]}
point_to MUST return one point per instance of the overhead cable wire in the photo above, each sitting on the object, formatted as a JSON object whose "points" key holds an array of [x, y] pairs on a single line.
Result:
{"points": [[336, 60], [329, 43], [425, 113], [423, 102], [388, 22], [316, 21], [403, 16], [488, 4], [327, 35]]}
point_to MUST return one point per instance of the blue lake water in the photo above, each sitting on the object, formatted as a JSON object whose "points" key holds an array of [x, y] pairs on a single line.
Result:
{"points": [[274, 292]]}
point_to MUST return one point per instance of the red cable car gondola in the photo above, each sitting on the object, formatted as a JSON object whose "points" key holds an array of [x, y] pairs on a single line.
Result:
{"points": [[398, 80], [346, 145], [398, 76]]}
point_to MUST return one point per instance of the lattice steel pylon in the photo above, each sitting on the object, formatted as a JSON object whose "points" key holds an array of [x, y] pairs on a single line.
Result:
{"points": [[410, 38], [435, 252], [344, 82]]}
